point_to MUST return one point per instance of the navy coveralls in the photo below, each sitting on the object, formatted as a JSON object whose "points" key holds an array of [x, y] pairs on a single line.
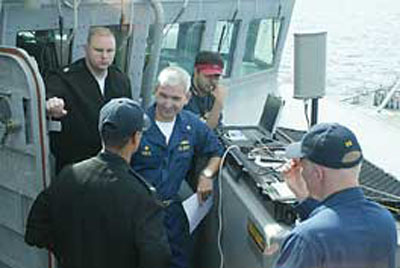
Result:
{"points": [[343, 231], [165, 166], [201, 105]]}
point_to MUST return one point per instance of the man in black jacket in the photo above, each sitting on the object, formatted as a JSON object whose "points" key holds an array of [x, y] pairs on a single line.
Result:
{"points": [[76, 94], [99, 212]]}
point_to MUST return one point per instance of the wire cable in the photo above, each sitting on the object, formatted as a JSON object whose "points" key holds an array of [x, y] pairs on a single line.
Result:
{"points": [[381, 192], [68, 4], [75, 7], [306, 113], [220, 225], [61, 32], [226, 30], [123, 20], [175, 20]]}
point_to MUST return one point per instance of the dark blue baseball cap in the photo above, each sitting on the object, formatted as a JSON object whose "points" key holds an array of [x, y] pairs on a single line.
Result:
{"points": [[120, 118], [328, 144]]}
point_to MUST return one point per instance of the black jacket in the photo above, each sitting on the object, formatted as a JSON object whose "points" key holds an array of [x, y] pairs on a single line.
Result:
{"points": [[99, 213], [79, 138]]}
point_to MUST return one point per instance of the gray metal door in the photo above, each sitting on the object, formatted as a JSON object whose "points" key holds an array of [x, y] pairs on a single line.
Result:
{"points": [[24, 166]]}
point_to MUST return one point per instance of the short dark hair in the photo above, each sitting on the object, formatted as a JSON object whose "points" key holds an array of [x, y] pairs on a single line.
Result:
{"points": [[109, 142], [209, 57]]}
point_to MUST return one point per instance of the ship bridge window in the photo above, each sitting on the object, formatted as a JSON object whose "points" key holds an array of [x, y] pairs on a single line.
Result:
{"points": [[225, 42], [261, 41], [181, 42], [49, 49]]}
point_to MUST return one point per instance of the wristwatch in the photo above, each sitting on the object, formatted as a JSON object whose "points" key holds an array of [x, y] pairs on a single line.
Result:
{"points": [[207, 173]]}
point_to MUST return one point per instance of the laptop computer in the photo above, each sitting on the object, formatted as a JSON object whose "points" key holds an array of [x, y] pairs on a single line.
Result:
{"points": [[266, 125], [271, 113]]}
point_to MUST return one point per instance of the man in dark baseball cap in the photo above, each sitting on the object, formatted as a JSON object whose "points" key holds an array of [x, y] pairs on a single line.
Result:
{"points": [[207, 94], [100, 212], [330, 145], [323, 174], [119, 119]]}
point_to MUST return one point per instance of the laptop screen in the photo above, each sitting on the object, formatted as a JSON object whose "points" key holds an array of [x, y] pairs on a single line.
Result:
{"points": [[270, 115]]}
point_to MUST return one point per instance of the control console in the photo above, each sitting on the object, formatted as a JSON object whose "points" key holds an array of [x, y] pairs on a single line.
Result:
{"points": [[256, 157]]}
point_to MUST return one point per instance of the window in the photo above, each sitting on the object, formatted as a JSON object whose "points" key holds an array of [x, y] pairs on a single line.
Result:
{"points": [[49, 49], [261, 41], [225, 42], [181, 42]]}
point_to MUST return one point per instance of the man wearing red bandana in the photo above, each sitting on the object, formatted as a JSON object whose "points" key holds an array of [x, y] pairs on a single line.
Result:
{"points": [[208, 95], [207, 100]]}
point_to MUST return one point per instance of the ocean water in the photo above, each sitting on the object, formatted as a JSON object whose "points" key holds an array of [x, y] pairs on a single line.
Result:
{"points": [[363, 54], [363, 42]]}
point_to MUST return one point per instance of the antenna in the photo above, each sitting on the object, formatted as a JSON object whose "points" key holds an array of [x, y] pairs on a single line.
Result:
{"points": [[310, 69]]}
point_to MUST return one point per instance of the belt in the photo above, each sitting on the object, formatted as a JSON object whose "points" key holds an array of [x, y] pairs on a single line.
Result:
{"points": [[168, 202]]}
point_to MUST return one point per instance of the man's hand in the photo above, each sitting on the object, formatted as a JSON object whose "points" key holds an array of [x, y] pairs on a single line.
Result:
{"points": [[204, 188], [292, 174], [220, 93], [213, 115], [55, 107]]}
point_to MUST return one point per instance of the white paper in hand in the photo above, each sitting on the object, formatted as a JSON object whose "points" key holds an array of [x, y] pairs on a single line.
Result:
{"points": [[195, 212]]}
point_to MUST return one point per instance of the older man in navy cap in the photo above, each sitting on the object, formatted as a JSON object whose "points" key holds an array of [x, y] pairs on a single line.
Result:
{"points": [[100, 212], [340, 228]]}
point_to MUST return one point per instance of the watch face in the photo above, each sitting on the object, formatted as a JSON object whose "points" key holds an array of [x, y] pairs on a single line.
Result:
{"points": [[207, 173]]}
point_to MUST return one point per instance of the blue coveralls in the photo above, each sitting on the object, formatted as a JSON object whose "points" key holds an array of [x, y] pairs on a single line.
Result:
{"points": [[343, 231], [165, 166], [201, 105]]}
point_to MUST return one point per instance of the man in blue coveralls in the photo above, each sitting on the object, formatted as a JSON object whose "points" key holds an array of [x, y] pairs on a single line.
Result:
{"points": [[166, 152], [339, 228], [207, 93]]}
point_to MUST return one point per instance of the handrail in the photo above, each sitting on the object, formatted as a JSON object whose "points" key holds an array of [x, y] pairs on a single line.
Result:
{"points": [[395, 87]]}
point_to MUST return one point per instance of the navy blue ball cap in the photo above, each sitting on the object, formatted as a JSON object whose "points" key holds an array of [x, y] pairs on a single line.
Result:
{"points": [[120, 118], [328, 144]]}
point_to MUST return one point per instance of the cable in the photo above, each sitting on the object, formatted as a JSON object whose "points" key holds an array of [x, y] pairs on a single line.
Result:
{"points": [[381, 192], [68, 4], [180, 13], [75, 6], [122, 22], [306, 113], [273, 171], [220, 251], [61, 32], [130, 31], [225, 31], [393, 209], [262, 148], [273, 40]]}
